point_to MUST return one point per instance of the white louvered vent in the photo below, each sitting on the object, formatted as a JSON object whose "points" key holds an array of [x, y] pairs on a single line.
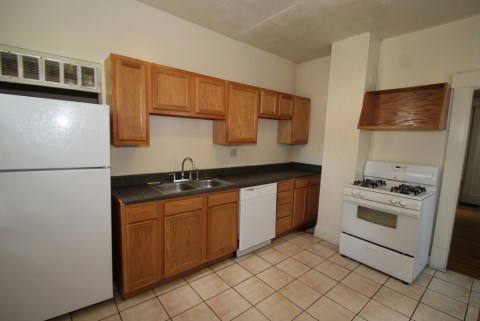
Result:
{"points": [[36, 68]]}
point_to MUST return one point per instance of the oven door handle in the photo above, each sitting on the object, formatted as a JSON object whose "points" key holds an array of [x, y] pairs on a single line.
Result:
{"points": [[372, 249], [381, 207]]}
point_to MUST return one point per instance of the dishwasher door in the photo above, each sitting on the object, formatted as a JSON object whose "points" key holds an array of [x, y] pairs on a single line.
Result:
{"points": [[257, 217]]}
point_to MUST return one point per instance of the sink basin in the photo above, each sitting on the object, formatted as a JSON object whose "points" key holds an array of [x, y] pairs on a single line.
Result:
{"points": [[177, 187], [208, 183], [169, 188]]}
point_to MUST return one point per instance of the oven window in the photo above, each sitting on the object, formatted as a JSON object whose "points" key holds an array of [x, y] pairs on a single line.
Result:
{"points": [[377, 217]]}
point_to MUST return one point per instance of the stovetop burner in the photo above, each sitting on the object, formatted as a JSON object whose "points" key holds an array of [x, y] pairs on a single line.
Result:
{"points": [[372, 183], [408, 189]]}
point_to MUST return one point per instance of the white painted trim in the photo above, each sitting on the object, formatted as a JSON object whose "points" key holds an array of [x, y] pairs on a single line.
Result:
{"points": [[463, 85], [466, 79]]}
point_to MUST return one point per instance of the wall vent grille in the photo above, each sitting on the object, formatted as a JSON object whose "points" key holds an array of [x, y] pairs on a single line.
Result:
{"points": [[36, 68]]}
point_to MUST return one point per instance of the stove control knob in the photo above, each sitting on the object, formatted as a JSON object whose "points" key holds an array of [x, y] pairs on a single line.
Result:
{"points": [[394, 200], [362, 194], [403, 203], [354, 192]]}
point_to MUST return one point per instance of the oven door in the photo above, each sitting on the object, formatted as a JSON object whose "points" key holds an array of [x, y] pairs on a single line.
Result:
{"points": [[389, 226]]}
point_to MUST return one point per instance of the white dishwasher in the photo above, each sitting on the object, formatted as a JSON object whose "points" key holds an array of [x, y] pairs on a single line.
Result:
{"points": [[257, 217]]}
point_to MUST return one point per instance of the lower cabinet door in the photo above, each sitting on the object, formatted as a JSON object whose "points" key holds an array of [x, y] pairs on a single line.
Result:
{"points": [[299, 205], [222, 229], [283, 224], [313, 198], [184, 241], [142, 266]]}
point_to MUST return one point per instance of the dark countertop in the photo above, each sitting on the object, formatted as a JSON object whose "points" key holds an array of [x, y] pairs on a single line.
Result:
{"points": [[139, 191]]}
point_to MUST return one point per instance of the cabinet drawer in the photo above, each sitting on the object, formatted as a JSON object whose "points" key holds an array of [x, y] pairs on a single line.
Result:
{"points": [[184, 205], [284, 197], [284, 210], [222, 198], [140, 212], [314, 180], [285, 186], [301, 182], [283, 224]]}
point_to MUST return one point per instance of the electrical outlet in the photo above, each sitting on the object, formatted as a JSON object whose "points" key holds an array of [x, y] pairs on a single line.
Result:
{"points": [[233, 152]]}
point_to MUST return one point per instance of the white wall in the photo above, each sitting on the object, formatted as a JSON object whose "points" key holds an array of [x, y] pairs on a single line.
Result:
{"points": [[352, 71], [312, 82], [91, 29], [424, 57]]}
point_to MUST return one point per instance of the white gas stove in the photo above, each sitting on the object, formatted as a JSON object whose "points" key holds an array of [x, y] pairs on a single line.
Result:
{"points": [[388, 217]]}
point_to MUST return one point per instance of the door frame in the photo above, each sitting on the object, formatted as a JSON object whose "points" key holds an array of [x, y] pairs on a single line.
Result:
{"points": [[463, 86]]}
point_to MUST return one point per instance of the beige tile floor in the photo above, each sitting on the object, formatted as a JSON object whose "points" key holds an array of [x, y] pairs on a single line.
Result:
{"points": [[298, 277]]}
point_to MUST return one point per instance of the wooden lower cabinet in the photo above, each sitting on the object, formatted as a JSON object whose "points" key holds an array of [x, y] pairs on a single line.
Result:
{"points": [[154, 241], [297, 203], [184, 234], [222, 224], [140, 243], [284, 206], [313, 199], [300, 194]]}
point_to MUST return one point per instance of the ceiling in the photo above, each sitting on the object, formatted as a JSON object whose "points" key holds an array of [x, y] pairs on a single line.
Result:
{"points": [[302, 30]]}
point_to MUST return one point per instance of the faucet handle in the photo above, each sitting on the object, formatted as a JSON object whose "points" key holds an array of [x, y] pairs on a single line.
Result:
{"points": [[174, 175]]}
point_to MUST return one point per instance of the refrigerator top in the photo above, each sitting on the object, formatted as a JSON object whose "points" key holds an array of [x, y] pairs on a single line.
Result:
{"points": [[40, 133]]}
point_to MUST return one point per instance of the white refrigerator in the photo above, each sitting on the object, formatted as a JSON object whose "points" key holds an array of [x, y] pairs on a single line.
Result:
{"points": [[55, 221]]}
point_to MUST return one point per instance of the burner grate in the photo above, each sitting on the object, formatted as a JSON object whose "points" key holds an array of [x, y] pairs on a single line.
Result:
{"points": [[408, 189], [372, 183]]}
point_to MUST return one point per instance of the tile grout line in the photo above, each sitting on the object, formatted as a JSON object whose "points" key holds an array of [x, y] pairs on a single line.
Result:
{"points": [[468, 300]]}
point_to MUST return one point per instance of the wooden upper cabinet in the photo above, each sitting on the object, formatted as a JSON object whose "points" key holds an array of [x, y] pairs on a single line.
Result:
{"points": [[240, 127], [211, 96], [177, 92], [172, 90], [285, 106], [295, 131], [421, 107], [268, 104], [300, 119], [129, 88], [275, 105]]}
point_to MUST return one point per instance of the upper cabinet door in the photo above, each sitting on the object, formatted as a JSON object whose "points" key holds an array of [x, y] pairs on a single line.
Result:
{"points": [[129, 101], [295, 131], [240, 126], [242, 113], [172, 90], [268, 104], [285, 106], [300, 120], [211, 96]]}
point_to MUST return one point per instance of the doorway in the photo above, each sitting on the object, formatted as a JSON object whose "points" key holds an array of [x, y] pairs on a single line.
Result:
{"points": [[464, 255]]}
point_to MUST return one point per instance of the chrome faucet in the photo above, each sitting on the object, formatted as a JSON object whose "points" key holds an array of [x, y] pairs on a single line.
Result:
{"points": [[193, 168]]}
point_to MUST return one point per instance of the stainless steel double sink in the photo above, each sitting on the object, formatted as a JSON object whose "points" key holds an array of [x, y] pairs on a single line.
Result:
{"points": [[178, 187]]}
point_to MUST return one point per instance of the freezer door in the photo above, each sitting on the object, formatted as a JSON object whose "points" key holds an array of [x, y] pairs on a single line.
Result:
{"points": [[55, 242], [42, 133]]}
